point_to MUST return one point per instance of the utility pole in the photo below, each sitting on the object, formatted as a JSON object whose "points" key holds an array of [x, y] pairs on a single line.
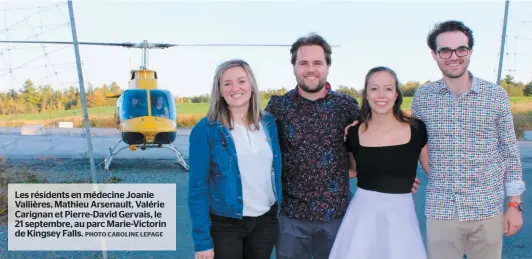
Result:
{"points": [[82, 90], [84, 103], [503, 40]]}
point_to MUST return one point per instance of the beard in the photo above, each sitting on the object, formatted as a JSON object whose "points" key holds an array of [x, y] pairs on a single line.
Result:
{"points": [[308, 89]]}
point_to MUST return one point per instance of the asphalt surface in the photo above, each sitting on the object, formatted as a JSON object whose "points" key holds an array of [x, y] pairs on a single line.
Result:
{"points": [[72, 143], [60, 157]]}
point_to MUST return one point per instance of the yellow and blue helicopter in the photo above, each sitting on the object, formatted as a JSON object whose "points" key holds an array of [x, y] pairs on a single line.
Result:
{"points": [[145, 113]]}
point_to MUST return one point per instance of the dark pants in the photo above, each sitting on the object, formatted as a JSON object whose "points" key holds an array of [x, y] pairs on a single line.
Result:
{"points": [[246, 238], [299, 239]]}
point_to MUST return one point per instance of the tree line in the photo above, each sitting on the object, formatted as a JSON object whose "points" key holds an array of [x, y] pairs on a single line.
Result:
{"points": [[38, 99], [512, 87]]}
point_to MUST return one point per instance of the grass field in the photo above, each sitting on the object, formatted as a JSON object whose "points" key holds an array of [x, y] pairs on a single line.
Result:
{"points": [[519, 104], [188, 114], [108, 111]]}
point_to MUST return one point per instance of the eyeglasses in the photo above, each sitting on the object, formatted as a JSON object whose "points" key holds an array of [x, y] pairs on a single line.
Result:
{"points": [[447, 53]]}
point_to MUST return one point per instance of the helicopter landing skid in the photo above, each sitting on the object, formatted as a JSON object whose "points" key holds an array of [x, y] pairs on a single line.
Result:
{"points": [[113, 152]]}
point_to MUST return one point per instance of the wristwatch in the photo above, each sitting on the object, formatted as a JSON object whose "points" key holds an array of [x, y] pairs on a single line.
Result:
{"points": [[517, 205]]}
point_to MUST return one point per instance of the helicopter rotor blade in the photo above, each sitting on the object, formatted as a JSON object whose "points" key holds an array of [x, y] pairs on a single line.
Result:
{"points": [[146, 45], [164, 45], [222, 45], [126, 44]]}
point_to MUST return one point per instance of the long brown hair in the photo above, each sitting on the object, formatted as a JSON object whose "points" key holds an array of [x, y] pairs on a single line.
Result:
{"points": [[365, 111]]}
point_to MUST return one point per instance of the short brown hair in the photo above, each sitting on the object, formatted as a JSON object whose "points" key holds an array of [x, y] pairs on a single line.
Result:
{"points": [[311, 39]]}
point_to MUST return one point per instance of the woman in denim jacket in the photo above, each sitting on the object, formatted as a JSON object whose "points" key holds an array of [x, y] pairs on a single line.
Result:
{"points": [[235, 171]]}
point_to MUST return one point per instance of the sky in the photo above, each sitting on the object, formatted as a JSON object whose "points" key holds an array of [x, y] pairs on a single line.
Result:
{"points": [[387, 33]]}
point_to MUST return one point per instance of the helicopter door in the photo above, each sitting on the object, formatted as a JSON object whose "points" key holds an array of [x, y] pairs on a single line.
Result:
{"points": [[162, 104], [134, 104]]}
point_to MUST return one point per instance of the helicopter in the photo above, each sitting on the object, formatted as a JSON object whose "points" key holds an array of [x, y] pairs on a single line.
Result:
{"points": [[145, 113]]}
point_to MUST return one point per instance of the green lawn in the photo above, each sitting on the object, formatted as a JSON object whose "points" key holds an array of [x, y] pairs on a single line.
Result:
{"points": [[189, 108]]}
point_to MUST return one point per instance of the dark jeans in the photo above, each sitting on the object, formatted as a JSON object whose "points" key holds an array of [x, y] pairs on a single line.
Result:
{"points": [[299, 239], [246, 238]]}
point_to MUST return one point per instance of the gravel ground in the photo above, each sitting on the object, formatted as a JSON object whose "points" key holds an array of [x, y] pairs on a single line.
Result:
{"points": [[127, 171], [168, 171]]}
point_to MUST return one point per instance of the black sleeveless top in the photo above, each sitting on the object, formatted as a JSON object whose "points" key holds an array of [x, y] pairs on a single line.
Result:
{"points": [[388, 169]]}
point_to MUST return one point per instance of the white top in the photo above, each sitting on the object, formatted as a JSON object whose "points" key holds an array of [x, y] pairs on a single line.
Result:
{"points": [[255, 163]]}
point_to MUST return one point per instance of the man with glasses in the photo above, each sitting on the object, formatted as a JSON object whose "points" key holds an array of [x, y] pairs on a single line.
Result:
{"points": [[473, 154]]}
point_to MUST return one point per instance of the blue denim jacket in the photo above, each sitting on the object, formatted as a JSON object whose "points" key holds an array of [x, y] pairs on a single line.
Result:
{"points": [[214, 182]]}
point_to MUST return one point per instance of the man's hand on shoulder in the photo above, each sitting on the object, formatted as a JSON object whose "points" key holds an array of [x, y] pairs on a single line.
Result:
{"points": [[415, 186], [272, 105], [352, 173], [347, 129], [208, 254]]}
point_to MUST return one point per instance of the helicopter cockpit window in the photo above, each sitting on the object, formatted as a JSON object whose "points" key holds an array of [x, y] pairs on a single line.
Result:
{"points": [[162, 104], [134, 104]]}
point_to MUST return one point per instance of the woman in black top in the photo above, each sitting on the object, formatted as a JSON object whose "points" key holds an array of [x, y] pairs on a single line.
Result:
{"points": [[381, 221]]}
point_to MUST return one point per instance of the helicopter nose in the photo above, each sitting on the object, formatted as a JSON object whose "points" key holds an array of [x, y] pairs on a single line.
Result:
{"points": [[150, 139]]}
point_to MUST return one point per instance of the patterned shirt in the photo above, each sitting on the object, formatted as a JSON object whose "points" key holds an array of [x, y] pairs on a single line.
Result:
{"points": [[473, 152], [315, 176]]}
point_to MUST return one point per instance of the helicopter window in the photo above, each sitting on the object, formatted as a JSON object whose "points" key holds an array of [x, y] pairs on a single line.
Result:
{"points": [[134, 104], [162, 104]]}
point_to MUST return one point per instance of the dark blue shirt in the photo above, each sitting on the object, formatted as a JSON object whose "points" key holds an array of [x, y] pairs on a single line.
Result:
{"points": [[315, 172]]}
